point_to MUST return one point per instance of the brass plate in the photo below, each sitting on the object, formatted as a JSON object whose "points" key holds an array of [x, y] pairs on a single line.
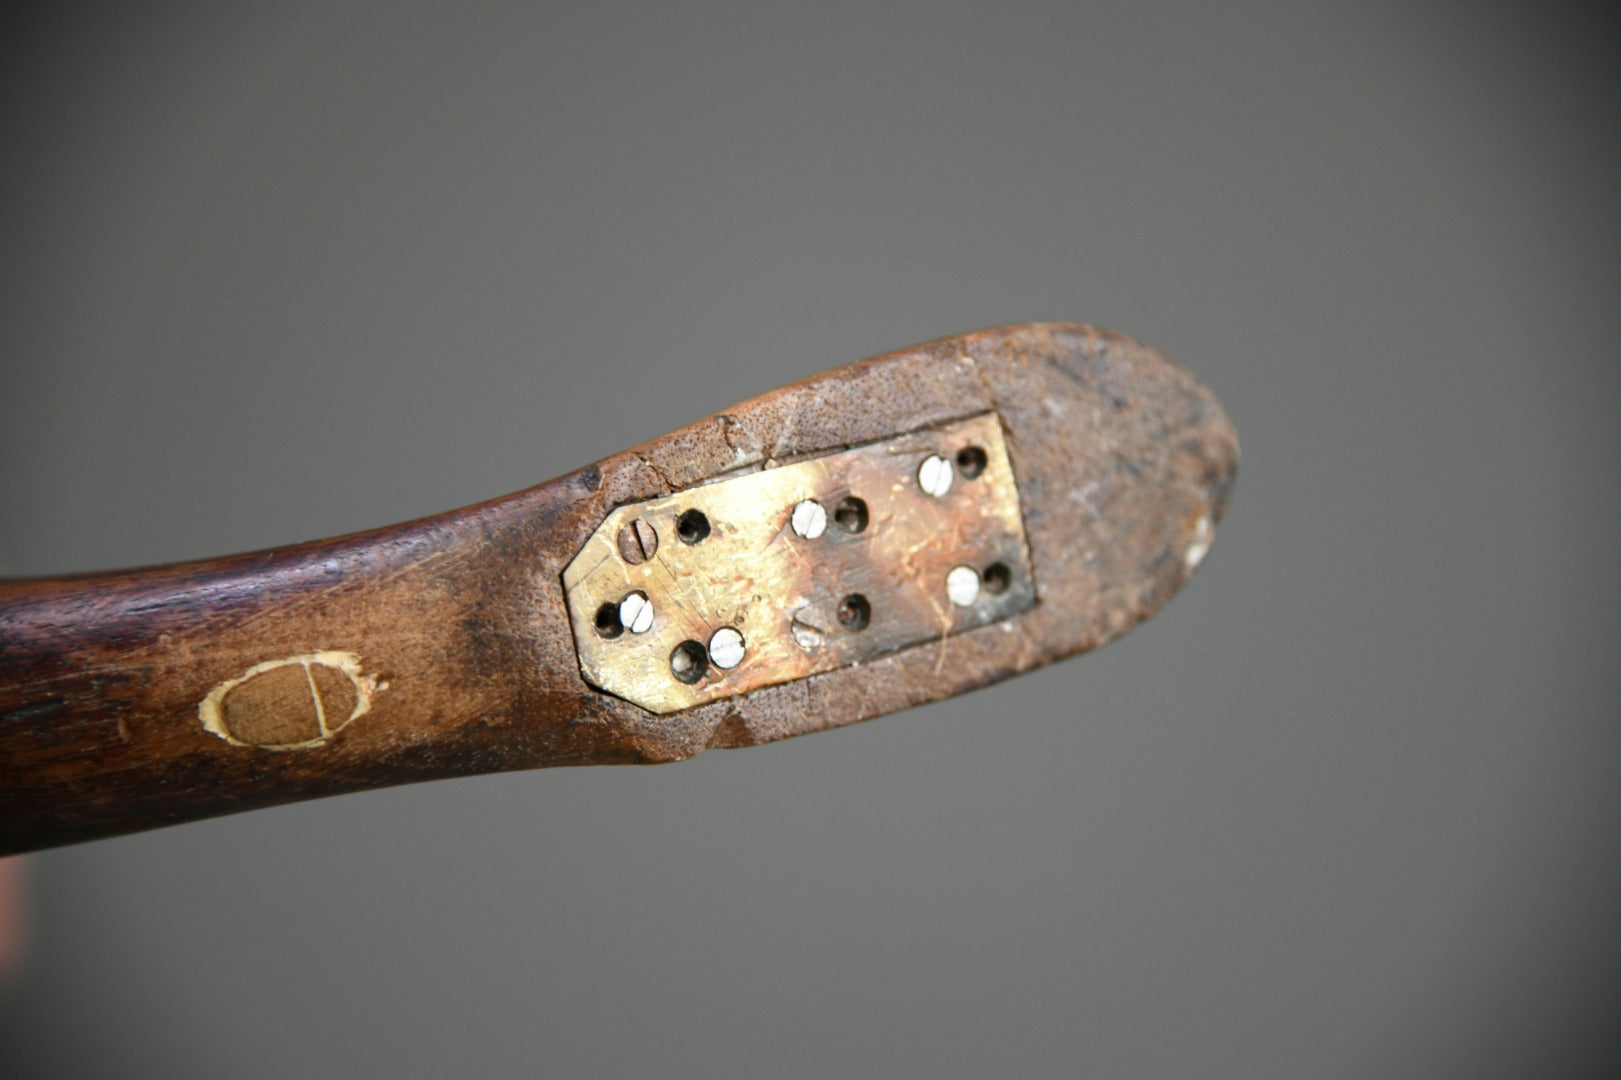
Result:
{"points": [[784, 592]]}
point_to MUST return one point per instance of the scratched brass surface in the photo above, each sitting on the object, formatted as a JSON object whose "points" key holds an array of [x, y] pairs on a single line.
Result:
{"points": [[783, 592]]}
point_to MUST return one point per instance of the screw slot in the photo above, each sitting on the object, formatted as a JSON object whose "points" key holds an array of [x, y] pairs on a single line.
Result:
{"points": [[934, 476], [854, 612], [726, 648], [962, 585], [637, 542], [971, 461], [692, 527], [636, 612], [851, 515], [997, 578], [808, 519], [688, 662], [608, 624]]}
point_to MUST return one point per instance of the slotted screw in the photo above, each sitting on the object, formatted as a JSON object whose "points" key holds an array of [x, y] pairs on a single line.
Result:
{"points": [[637, 542]]}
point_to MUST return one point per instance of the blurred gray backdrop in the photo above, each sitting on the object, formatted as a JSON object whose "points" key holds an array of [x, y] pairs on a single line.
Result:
{"points": [[1346, 808]]}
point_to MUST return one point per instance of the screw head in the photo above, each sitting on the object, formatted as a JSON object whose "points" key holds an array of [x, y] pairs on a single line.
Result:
{"points": [[962, 585], [726, 648], [934, 475], [636, 613], [807, 635], [809, 519], [637, 542]]}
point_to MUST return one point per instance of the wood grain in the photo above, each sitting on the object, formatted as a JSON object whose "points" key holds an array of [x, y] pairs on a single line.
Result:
{"points": [[452, 633]]}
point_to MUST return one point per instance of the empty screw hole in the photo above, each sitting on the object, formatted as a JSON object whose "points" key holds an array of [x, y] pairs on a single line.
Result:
{"points": [[996, 578], [608, 624], [692, 527], [971, 461], [851, 515], [854, 612], [688, 662]]}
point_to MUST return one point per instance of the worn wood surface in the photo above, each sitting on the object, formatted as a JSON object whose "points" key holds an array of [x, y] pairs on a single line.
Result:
{"points": [[442, 647]]}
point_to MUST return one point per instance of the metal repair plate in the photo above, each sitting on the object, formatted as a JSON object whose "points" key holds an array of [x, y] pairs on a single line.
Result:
{"points": [[891, 565]]}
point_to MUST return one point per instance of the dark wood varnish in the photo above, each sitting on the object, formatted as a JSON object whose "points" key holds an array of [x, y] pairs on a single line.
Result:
{"points": [[442, 647]]}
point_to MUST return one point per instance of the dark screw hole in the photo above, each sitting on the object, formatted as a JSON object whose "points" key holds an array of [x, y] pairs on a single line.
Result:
{"points": [[971, 461], [692, 527], [854, 612], [851, 514], [608, 624], [996, 578], [688, 662]]}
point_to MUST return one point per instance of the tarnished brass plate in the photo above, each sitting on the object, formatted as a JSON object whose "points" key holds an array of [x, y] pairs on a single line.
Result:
{"points": [[885, 564]]}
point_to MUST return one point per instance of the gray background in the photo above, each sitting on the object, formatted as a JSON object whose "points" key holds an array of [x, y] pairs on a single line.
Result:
{"points": [[1345, 808]]}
